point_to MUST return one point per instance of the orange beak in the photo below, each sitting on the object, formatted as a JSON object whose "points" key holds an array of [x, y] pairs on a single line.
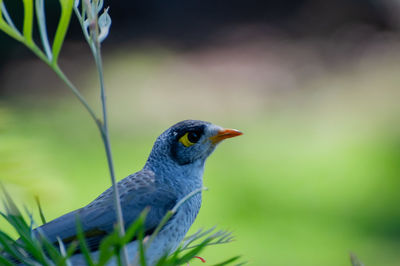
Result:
{"points": [[225, 134]]}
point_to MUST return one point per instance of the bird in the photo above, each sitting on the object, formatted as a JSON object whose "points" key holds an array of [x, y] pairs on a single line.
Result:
{"points": [[173, 169]]}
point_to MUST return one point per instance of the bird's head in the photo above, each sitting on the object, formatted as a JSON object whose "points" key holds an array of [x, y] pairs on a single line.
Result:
{"points": [[190, 141]]}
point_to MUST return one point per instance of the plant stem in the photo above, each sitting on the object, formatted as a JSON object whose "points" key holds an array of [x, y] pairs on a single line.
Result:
{"points": [[8, 18], [50, 58], [107, 146], [64, 78], [105, 136], [32, 46], [103, 127], [106, 141], [41, 18]]}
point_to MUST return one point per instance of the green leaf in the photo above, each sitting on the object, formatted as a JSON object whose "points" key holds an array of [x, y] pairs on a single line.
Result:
{"points": [[4, 13], [27, 242], [196, 236], [82, 243], [66, 11], [8, 247], [34, 248], [164, 220], [135, 227], [228, 261], [53, 252], [40, 210], [66, 253], [5, 262], [9, 31], [28, 21], [108, 247], [6, 28], [41, 19], [112, 244], [9, 204], [142, 256], [189, 255], [216, 238]]}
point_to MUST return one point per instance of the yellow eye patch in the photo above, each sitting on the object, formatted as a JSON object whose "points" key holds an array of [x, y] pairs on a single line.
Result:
{"points": [[185, 140]]}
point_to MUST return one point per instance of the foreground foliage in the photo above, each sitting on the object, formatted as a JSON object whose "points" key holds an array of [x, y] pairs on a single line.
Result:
{"points": [[32, 249]]}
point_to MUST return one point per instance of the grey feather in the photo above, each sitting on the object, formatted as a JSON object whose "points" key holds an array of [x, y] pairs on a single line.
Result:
{"points": [[98, 218]]}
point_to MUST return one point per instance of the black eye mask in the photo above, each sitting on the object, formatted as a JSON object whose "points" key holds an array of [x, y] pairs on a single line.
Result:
{"points": [[180, 148]]}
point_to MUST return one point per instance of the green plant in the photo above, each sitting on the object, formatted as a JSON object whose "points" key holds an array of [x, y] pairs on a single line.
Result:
{"points": [[32, 249], [95, 29]]}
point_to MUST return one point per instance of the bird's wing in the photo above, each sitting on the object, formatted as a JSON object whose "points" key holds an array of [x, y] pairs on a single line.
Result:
{"points": [[137, 191]]}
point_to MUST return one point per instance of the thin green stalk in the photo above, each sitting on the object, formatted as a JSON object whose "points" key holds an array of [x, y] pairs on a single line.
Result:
{"points": [[27, 28], [81, 17], [8, 18], [107, 146], [40, 210], [41, 19], [32, 46], [105, 136], [170, 213], [187, 197], [94, 43], [64, 78]]}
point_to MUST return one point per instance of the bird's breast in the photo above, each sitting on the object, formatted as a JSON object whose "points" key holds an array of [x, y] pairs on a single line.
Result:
{"points": [[175, 230]]}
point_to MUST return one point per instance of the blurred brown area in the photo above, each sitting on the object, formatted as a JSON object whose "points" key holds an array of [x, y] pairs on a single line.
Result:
{"points": [[194, 24], [298, 33]]}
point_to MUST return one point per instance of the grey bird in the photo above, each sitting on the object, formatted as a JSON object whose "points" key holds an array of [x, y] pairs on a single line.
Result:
{"points": [[173, 169]]}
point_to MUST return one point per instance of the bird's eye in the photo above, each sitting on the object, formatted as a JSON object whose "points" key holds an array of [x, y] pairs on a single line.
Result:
{"points": [[189, 138]]}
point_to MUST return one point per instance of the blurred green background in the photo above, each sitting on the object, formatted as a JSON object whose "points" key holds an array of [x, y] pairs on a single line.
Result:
{"points": [[315, 176]]}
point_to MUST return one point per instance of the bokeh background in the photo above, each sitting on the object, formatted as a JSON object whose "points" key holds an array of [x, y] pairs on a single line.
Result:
{"points": [[314, 85]]}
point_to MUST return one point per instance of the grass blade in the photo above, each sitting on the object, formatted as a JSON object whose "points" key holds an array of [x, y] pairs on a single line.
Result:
{"points": [[142, 256], [9, 204], [228, 261], [9, 31], [82, 243], [51, 250], [164, 220], [41, 19], [3, 11], [109, 246], [134, 228], [8, 247], [196, 236], [40, 210], [28, 21], [189, 255], [62, 247], [5, 262], [34, 248], [66, 10], [27, 246], [66, 254], [217, 238], [170, 213]]}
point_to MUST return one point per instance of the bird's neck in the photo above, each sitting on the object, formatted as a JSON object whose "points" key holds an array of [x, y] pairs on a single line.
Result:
{"points": [[183, 179]]}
